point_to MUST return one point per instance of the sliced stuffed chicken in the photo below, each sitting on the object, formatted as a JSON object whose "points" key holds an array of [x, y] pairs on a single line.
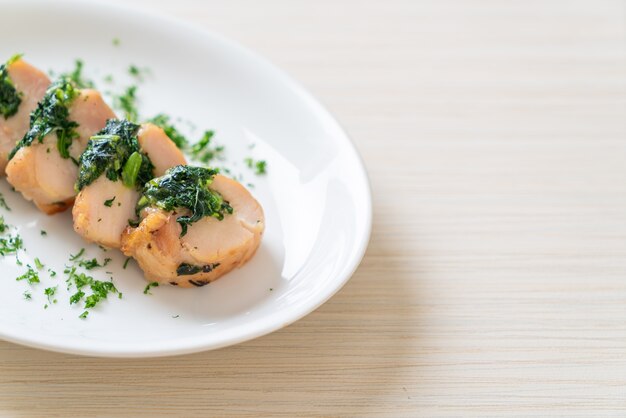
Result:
{"points": [[43, 166], [196, 225], [117, 163], [22, 86]]}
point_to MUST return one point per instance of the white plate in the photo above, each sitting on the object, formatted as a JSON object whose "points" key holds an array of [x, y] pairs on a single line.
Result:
{"points": [[316, 194]]}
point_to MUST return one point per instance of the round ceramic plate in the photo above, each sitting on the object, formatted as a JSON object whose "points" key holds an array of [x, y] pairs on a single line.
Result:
{"points": [[315, 193]]}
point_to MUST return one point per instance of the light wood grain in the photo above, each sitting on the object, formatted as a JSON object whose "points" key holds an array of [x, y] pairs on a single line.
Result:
{"points": [[495, 282]]}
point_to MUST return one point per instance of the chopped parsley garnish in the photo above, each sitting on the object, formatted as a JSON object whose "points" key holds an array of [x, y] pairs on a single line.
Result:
{"points": [[49, 292], [31, 276], [127, 102], [79, 280], [260, 166], [116, 41], [10, 98], [136, 72], [89, 264], [185, 187], [93, 263], [3, 203], [52, 115], [83, 315], [115, 152], [27, 295], [43, 233], [38, 263], [11, 245], [100, 289], [91, 301], [109, 202], [52, 272], [77, 76], [203, 151], [126, 263], [188, 269], [204, 142], [146, 291], [76, 297], [77, 255], [163, 121]]}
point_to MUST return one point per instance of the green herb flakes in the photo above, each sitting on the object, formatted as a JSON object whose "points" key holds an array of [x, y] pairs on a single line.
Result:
{"points": [[146, 291], [127, 103], [50, 292], [99, 289], [38, 263], [259, 167], [203, 151], [31, 276], [3, 203], [163, 121], [11, 245], [77, 76], [76, 297], [89, 264], [137, 73], [77, 255]]}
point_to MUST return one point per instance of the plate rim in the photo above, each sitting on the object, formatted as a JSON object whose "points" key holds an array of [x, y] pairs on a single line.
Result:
{"points": [[202, 343]]}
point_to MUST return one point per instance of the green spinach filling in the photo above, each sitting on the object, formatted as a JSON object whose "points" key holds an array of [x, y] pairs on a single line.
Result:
{"points": [[10, 98], [115, 153], [52, 115], [185, 269], [185, 187]]}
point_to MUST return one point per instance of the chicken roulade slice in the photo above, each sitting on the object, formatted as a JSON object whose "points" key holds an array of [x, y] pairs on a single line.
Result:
{"points": [[196, 225], [22, 86], [116, 164], [43, 166]]}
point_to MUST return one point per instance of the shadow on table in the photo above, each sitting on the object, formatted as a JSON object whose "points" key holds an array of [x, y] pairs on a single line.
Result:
{"points": [[348, 355]]}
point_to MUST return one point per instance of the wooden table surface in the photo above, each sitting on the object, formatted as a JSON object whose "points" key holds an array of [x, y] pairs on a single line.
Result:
{"points": [[494, 133]]}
